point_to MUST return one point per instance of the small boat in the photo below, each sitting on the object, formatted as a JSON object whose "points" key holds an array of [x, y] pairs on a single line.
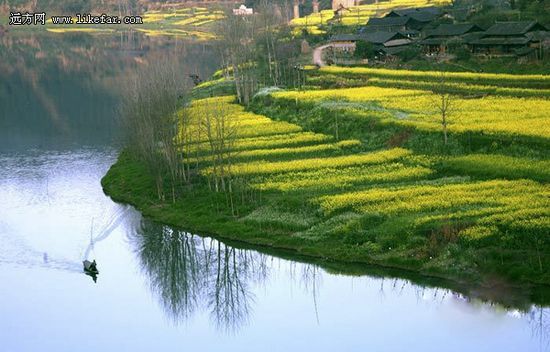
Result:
{"points": [[90, 267]]}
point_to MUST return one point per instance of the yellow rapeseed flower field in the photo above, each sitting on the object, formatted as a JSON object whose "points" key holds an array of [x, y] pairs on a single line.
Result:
{"points": [[331, 178], [392, 183], [261, 167], [435, 75], [488, 200], [491, 114]]}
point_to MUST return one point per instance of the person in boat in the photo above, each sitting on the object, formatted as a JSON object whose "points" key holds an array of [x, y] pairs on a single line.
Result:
{"points": [[90, 266]]}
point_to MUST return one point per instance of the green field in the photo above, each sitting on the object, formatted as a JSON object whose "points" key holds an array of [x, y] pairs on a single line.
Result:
{"points": [[363, 175]]}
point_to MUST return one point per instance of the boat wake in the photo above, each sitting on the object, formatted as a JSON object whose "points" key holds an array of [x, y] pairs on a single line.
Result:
{"points": [[15, 251]]}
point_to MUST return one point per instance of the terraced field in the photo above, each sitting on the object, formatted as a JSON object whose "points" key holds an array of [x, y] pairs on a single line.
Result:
{"points": [[377, 189], [195, 16], [527, 117], [189, 22]]}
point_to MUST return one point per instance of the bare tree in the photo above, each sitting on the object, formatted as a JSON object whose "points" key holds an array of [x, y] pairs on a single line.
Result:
{"points": [[151, 115], [443, 102], [218, 129], [252, 51], [237, 51]]}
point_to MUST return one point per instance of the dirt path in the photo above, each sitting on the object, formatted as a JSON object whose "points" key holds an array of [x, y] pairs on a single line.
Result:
{"points": [[318, 54]]}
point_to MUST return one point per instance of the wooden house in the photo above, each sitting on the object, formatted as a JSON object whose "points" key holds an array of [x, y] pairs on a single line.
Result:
{"points": [[375, 38], [437, 40], [509, 38], [420, 17], [383, 42], [390, 24], [405, 20]]}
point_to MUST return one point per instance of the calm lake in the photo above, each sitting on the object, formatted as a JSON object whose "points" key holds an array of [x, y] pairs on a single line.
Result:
{"points": [[161, 288]]}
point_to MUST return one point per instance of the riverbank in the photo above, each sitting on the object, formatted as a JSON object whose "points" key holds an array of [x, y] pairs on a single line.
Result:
{"points": [[347, 195], [193, 216]]}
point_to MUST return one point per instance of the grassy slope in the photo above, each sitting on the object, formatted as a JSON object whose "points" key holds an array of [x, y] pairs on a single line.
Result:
{"points": [[127, 182]]}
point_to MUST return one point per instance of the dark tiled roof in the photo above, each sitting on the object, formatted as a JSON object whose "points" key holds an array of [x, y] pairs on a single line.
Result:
{"points": [[380, 37], [394, 49], [344, 38], [501, 41], [397, 42], [410, 32], [434, 41], [453, 30], [538, 35], [470, 37], [388, 21], [514, 28]]}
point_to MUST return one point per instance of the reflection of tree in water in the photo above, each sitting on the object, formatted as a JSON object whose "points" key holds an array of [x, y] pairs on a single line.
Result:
{"points": [[227, 288], [190, 273], [168, 257], [539, 320], [310, 280]]}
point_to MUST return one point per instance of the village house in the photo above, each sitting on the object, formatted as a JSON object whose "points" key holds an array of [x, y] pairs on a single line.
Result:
{"points": [[375, 38], [437, 40], [390, 24], [386, 41], [394, 33], [343, 43], [381, 41], [408, 20], [243, 11], [420, 17], [510, 38], [346, 38]]}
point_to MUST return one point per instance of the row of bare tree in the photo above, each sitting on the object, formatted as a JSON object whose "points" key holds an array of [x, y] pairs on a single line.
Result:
{"points": [[173, 141], [168, 139], [255, 50], [151, 116]]}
